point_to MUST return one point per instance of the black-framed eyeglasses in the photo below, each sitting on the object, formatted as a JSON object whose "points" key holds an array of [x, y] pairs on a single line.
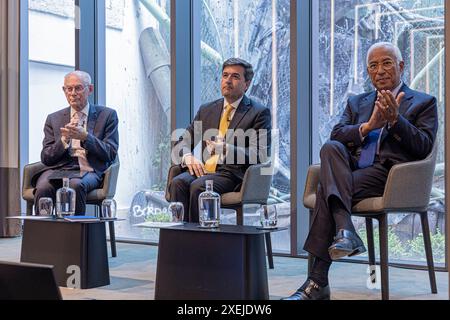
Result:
{"points": [[78, 89]]}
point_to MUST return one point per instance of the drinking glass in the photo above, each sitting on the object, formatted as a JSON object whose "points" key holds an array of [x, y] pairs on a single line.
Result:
{"points": [[268, 216], [176, 211], [109, 209], [45, 207]]}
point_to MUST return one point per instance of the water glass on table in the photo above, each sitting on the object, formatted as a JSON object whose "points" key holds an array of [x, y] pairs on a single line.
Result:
{"points": [[45, 207], [268, 216], [176, 212], [109, 209]]}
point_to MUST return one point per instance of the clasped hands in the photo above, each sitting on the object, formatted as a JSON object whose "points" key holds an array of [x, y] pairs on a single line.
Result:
{"points": [[386, 111], [73, 131]]}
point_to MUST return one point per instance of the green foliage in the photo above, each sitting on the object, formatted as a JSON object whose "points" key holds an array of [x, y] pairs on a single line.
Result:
{"points": [[417, 248], [160, 155], [159, 217], [410, 249]]}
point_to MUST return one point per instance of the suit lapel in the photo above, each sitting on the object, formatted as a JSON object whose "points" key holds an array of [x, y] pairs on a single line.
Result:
{"points": [[406, 102], [92, 119], [65, 119], [216, 114], [366, 107], [240, 112]]}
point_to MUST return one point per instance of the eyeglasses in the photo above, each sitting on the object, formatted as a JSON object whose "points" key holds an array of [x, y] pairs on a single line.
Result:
{"points": [[386, 65], [78, 89]]}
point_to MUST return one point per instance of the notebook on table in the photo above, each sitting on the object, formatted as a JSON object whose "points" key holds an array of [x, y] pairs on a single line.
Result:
{"points": [[81, 218]]}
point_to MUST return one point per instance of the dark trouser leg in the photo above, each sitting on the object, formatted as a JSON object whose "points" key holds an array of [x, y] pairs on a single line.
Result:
{"points": [[223, 182], [319, 272], [338, 181], [335, 181], [179, 191], [82, 187], [45, 189]]}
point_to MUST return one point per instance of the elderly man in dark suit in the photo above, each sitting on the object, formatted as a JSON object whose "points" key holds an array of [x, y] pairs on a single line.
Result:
{"points": [[391, 125], [83, 137], [242, 123]]}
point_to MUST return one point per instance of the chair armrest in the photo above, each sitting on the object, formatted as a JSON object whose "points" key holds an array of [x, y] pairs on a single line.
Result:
{"points": [[28, 172], [256, 184], [311, 184], [408, 186], [174, 171]]}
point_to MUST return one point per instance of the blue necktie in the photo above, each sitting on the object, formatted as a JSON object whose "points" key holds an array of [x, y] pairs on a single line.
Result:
{"points": [[369, 149]]}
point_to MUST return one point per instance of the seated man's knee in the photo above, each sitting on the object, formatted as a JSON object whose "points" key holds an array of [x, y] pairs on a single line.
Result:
{"points": [[331, 147], [197, 186], [77, 185], [44, 188], [178, 184]]}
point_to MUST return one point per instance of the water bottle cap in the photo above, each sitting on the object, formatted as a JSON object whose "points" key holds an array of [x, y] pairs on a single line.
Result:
{"points": [[209, 183]]}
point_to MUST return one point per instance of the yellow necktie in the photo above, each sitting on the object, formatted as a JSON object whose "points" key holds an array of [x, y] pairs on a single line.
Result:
{"points": [[211, 163]]}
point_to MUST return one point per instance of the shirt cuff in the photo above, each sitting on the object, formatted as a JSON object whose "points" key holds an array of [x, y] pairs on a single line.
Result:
{"points": [[360, 133]]}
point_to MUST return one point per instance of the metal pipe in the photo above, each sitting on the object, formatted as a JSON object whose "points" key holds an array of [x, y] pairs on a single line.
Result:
{"points": [[208, 52]]}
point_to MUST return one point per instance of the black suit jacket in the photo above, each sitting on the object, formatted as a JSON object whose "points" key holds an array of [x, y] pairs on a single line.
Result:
{"points": [[249, 115], [410, 139], [101, 145]]}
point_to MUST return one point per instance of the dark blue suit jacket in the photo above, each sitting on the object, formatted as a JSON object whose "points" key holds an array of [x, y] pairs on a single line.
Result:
{"points": [[101, 145], [249, 115], [410, 139]]}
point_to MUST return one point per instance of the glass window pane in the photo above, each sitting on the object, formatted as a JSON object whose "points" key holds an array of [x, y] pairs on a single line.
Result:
{"points": [[138, 87], [52, 56], [259, 32], [345, 31]]}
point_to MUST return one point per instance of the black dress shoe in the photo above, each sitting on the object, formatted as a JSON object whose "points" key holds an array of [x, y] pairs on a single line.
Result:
{"points": [[310, 291], [346, 243]]}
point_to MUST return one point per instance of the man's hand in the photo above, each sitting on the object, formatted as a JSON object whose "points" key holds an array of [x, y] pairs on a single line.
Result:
{"points": [[65, 135], [216, 147], [195, 166], [71, 131], [390, 106], [376, 121]]}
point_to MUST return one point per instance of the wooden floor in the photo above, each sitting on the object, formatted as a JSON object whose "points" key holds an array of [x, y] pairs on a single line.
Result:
{"points": [[133, 277]]}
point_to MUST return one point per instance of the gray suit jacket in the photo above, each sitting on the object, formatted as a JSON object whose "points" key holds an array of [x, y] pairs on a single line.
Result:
{"points": [[249, 115], [101, 145], [410, 139]]}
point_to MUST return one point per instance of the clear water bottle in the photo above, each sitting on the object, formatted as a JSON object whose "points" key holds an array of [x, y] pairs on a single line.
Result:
{"points": [[209, 207], [65, 200]]}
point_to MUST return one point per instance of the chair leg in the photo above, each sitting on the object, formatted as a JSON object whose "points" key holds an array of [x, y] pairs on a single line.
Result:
{"points": [[269, 250], [428, 250], [310, 263], [240, 222], [371, 250], [112, 232], [240, 215], [30, 208], [112, 239], [383, 228]]}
